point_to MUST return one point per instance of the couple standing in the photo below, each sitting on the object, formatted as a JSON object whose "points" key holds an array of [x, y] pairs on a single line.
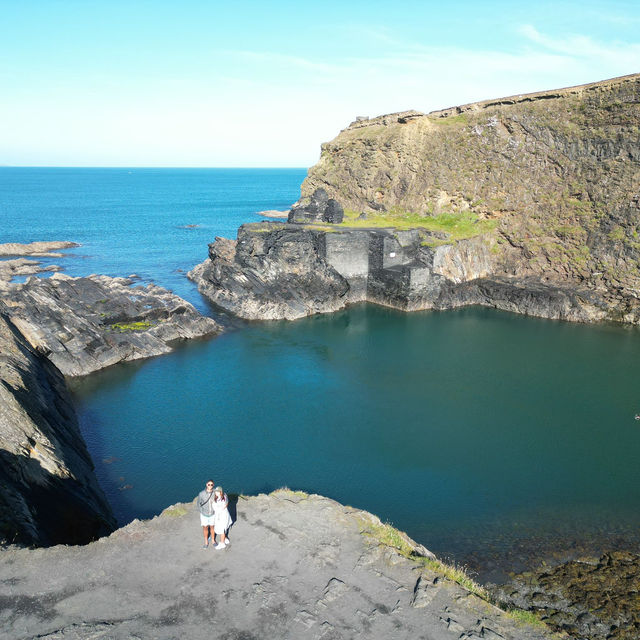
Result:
{"points": [[214, 514]]}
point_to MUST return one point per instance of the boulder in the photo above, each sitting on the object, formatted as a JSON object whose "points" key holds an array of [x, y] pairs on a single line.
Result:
{"points": [[318, 208]]}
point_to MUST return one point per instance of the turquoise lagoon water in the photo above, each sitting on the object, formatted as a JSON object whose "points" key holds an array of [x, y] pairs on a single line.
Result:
{"points": [[491, 438]]}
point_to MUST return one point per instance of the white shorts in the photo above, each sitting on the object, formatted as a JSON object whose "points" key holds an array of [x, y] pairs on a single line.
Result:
{"points": [[207, 521]]}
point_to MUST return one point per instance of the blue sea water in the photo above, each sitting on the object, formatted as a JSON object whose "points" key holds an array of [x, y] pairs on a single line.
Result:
{"points": [[138, 220], [489, 437]]}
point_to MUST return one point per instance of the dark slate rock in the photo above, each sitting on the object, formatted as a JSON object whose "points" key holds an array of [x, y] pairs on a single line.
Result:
{"points": [[48, 493]]}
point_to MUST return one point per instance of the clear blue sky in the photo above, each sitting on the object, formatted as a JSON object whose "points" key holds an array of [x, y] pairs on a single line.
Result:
{"points": [[209, 83]]}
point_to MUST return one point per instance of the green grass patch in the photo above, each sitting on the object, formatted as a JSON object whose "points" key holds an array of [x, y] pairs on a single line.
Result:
{"points": [[457, 225], [460, 119], [265, 227], [389, 536], [526, 618], [176, 511], [128, 327], [457, 574]]}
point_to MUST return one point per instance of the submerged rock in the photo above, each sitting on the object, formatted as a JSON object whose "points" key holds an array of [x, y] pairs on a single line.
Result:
{"points": [[86, 324], [48, 493], [299, 566]]}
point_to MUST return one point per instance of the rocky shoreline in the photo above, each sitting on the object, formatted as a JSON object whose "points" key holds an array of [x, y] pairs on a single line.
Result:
{"points": [[595, 598], [49, 492], [86, 324]]}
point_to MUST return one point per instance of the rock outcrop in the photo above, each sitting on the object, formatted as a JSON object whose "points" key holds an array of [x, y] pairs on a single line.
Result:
{"points": [[48, 492], [595, 598], [86, 324], [298, 567], [289, 271], [545, 187], [318, 207], [13, 263]]}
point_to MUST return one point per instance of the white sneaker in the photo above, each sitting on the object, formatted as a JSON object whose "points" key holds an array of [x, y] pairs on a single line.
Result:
{"points": [[227, 541], [220, 546]]}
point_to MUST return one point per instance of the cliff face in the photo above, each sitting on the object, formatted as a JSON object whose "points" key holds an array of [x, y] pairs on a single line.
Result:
{"points": [[48, 493], [558, 172]]}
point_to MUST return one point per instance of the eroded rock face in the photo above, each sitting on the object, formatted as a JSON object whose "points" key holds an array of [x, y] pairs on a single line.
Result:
{"points": [[272, 271], [48, 493], [86, 324]]}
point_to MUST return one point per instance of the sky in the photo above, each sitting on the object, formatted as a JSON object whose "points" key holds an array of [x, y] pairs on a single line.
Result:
{"points": [[204, 83]]}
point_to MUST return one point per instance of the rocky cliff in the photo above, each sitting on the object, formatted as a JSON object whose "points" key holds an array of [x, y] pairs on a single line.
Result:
{"points": [[298, 567], [48, 493], [529, 203]]}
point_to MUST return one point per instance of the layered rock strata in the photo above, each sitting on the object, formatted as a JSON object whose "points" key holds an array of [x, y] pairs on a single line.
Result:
{"points": [[298, 567], [289, 271], [86, 324], [48, 492], [547, 184]]}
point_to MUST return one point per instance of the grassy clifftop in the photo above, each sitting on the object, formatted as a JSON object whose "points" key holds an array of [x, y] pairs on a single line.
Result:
{"points": [[557, 173]]}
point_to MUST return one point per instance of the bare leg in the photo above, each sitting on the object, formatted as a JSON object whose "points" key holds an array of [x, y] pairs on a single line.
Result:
{"points": [[205, 533]]}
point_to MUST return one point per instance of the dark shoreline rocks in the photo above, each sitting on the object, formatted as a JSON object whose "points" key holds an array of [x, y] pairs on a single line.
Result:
{"points": [[595, 598], [49, 494]]}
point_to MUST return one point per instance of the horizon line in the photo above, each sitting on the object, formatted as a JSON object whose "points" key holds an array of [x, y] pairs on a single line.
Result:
{"points": [[60, 166]]}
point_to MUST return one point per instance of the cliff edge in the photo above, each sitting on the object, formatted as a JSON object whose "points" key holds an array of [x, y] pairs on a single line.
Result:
{"points": [[299, 566]]}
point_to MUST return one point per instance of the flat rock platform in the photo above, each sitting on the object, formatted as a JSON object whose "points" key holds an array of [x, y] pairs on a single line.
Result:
{"points": [[298, 566]]}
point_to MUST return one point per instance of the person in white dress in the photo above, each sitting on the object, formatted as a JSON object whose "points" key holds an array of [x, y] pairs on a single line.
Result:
{"points": [[222, 518]]}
